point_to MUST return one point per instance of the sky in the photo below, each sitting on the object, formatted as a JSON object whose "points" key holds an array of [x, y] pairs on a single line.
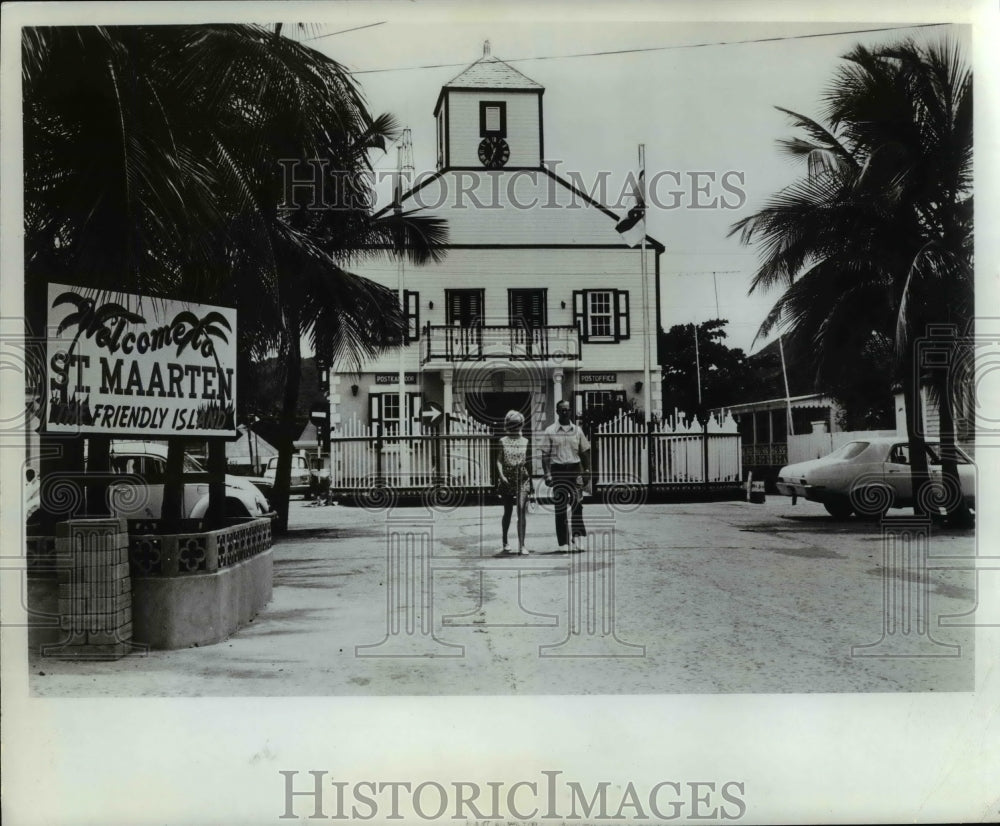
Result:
{"points": [[698, 96]]}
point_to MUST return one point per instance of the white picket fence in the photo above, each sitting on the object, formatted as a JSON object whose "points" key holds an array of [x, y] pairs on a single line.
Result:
{"points": [[460, 455], [363, 456], [669, 453]]}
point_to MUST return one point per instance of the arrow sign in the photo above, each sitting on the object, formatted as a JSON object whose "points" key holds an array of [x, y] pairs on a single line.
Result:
{"points": [[430, 412]]}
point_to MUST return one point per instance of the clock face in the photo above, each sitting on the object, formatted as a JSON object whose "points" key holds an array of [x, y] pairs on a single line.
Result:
{"points": [[493, 152]]}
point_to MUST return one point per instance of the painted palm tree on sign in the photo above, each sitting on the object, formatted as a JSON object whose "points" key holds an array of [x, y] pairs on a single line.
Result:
{"points": [[90, 319], [872, 247]]}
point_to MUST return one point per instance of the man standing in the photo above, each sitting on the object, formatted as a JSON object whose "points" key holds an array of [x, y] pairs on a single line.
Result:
{"points": [[565, 461]]}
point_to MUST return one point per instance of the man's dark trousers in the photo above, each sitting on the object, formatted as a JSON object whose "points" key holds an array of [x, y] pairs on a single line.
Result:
{"points": [[565, 491]]}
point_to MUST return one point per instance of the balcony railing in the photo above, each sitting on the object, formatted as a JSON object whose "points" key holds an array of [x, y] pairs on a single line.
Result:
{"points": [[558, 343]]}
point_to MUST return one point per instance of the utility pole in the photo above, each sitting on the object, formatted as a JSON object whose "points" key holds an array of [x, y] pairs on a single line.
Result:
{"points": [[715, 283], [404, 159]]}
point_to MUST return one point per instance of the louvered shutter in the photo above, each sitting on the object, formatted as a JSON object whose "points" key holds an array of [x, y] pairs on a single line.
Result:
{"points": [[622, 314], [580, 314], [518, 308], [536, 307], [375, 410], [475, 309], [579, 399], [412, 315], [454, 307]]}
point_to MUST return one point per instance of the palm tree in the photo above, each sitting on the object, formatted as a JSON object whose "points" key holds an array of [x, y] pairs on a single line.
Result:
{"points": [[873, 245], [153, 164]]}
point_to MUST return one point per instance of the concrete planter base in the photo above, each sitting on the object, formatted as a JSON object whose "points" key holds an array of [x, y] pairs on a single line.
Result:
{"points": [[200, 609], [194, 588]]}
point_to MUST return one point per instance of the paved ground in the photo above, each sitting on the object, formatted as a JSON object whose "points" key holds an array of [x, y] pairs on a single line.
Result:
{"points": [[670, 598]]}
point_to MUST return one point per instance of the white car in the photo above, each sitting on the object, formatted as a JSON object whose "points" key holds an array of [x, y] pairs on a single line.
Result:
{"points": [[148, 460], [870, 476], [301, 473]]}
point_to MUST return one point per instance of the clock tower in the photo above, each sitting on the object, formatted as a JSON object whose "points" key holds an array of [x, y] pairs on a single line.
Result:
{"points": [[489, 117]]}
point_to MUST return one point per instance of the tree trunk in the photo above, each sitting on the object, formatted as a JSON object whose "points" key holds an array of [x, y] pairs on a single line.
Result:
{"points": [[959, 514], [173, 487], [98, 464], [216, 514], [914, 431], [60, 475], [292, 358]]}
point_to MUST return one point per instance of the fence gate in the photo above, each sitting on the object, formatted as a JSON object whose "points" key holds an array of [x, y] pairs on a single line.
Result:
{"points": [[413, 457], [667, 454]]}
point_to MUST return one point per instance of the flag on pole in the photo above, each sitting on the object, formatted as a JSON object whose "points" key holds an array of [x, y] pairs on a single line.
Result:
{"points": [[632, 227]]}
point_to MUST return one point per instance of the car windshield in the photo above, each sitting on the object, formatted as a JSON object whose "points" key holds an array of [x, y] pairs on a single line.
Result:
{"points": [[191, 465], [848, 451]]}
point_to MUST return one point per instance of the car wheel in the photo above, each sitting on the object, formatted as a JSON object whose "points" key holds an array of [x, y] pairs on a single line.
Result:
{"points": [[839, 508], [872, 501], [235, 508]]}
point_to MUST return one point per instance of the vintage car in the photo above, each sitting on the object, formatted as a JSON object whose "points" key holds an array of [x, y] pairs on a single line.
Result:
{"points": [[308, 475], [869, 476], [148, 461]]}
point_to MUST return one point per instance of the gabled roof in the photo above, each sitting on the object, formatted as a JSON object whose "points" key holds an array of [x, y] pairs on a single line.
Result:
{"points": [[521, 207], [491, 73]]}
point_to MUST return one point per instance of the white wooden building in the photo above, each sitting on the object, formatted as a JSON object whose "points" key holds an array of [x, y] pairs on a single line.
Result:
{"points": [[538, 299]]}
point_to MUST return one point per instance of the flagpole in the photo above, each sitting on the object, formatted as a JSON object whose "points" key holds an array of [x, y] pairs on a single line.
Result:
{"points": [[648, 392], [697, 364]]}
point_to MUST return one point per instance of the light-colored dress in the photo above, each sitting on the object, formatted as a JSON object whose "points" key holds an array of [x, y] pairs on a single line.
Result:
{"points": [[514, 463]]}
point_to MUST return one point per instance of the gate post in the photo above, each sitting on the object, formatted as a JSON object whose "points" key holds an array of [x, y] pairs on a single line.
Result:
{"points": [[704, 454], [649, 468], [379, 480]]}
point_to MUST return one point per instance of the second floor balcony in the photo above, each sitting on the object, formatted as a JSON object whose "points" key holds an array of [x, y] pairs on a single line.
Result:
{"points": [[480, 342]]}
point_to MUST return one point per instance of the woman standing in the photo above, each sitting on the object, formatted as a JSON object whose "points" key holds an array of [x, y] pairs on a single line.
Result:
{"points": [[513, 478]]}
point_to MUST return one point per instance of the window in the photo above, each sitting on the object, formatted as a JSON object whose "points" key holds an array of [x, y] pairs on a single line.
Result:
{"points": [[900, 455], [411, 306], [599, 316], [464, 308], [849, 451], [492, 118], [526, 307], [589, 400], [383, 410], [602, 315]]}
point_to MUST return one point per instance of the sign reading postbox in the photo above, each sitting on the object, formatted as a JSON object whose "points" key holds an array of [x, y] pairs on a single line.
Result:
{"points": [[125, 365]]}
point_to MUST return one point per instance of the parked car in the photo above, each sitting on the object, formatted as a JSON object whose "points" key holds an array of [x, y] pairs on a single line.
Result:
{"points": [[868, 477], [300, 473], [148, 460]]}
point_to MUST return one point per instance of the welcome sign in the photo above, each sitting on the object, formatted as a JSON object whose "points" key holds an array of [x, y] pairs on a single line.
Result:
{"points": [[134, 365]]}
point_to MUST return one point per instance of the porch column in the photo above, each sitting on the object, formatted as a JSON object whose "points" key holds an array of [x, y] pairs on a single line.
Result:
{"points": [[447, 377], [557, 389]]}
